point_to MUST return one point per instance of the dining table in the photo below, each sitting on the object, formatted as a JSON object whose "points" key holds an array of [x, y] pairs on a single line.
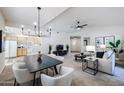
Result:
{"points": [[34, 66]]}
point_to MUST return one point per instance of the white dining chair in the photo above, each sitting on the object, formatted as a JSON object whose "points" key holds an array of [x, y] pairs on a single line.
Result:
{"points": [[21, 73], [64, 78], [60, 58]]}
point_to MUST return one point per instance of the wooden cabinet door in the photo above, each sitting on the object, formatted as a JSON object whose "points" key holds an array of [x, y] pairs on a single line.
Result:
{"points": [[24, 52], [19, 52]]}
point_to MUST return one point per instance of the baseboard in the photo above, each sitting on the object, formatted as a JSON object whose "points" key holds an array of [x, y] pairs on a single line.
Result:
{"points": [[10, 57]]}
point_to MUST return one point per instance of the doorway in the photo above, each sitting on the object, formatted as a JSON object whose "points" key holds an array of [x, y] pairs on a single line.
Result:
{"points": [[86, 42], [75, 44]]}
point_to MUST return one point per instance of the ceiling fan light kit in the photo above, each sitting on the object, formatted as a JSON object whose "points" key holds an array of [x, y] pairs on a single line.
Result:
{"points": [[79, 26]]}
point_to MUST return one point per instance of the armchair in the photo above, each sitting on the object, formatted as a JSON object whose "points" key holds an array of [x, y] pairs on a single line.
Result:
{"points": [[21, 73], [63, 79], [107, 63]]}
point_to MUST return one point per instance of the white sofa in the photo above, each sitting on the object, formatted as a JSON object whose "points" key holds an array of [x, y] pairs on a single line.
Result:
{"points": [[107, 63]]}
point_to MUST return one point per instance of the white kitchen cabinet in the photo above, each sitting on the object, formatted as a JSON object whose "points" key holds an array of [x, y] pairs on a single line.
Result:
{"points": [[10, 48]]}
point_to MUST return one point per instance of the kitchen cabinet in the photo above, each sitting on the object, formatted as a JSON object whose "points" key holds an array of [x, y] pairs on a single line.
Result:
{"points": [[21, 52], [10, 48]]}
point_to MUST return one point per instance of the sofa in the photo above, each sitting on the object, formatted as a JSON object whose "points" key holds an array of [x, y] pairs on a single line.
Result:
{"points": [[106, 63]]}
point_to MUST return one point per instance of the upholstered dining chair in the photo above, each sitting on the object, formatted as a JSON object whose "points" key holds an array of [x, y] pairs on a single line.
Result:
{"points": [[21, 73], [60, 58], [64, 78]]}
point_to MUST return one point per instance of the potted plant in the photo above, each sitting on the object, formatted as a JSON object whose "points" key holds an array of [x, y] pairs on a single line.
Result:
{"points": [[50, 49], [67, 48], [115, 46]]}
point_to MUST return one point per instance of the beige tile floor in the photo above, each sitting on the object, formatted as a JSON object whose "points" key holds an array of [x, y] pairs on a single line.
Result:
{"points": [[80, 78]]}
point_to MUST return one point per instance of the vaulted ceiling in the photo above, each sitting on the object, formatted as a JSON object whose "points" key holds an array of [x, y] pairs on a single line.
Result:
{"points": [[28, 15], [93, 16], [62, 18]]}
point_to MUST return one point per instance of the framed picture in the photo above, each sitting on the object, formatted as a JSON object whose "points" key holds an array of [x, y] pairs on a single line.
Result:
{"points": [[99, 41], [109, 39]]}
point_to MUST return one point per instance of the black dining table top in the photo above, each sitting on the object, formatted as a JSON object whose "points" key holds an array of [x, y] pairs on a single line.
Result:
{"points": [[34, 66]]}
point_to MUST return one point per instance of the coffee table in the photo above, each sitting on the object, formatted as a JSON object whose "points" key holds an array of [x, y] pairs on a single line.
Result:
{"points": [[79, 56]]}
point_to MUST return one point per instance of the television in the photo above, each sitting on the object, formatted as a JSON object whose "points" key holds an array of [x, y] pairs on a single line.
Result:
{"points": [[1, 41], [59, 47]]}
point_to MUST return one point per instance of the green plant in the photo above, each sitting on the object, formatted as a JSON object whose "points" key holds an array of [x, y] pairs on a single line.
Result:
{"points": [[67, 47], [115, 45], [50, 49]]}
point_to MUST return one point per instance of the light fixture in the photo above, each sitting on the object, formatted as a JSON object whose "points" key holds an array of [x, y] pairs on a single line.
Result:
{"points": [[35, 27], [49, 30], [29, 31], [103, 47], [22, 27], [78, 28], [39, 33], [90, 48]]}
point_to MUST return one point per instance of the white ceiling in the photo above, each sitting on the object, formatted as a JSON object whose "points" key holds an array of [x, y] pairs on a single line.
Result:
{"points": [[62, 18], [93, 16], [28, 15]]}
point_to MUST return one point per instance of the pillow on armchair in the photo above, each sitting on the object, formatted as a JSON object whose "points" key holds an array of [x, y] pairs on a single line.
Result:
{"points": [[99, 54]]}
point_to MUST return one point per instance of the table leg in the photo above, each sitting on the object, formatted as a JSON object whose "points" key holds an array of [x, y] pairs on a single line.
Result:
{"points": [[75, 58], [55, 69], [84, 65], [34, 79], [15, 82], [95, 67]]}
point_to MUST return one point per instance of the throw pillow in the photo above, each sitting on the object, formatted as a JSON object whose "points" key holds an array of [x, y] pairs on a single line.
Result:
{"points": [[99, 54]]}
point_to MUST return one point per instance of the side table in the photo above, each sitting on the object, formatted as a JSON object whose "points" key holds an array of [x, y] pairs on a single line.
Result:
{"points": [[91, 60]]}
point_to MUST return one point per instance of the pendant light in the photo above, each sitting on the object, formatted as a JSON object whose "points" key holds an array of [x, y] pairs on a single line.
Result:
{"points": [[39, 33]]}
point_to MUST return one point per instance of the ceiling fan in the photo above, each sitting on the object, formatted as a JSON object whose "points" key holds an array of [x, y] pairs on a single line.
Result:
{"points": [[78, 26]]}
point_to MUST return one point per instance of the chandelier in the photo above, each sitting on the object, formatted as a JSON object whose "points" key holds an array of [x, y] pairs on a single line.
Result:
{"points": [[37, 26], [37, 30]]}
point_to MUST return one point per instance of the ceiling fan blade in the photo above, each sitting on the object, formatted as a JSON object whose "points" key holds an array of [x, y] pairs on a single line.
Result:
{"points": [[85, 25]]}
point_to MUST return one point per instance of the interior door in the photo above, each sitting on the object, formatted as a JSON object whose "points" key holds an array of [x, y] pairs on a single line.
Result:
{"points": [[86, 41], [75, 44]]}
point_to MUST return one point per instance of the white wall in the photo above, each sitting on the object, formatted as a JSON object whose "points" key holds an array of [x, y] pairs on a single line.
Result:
{"points": [[117, 31], [2, 56], [55, 39], [2, 22], [64, 38]]}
